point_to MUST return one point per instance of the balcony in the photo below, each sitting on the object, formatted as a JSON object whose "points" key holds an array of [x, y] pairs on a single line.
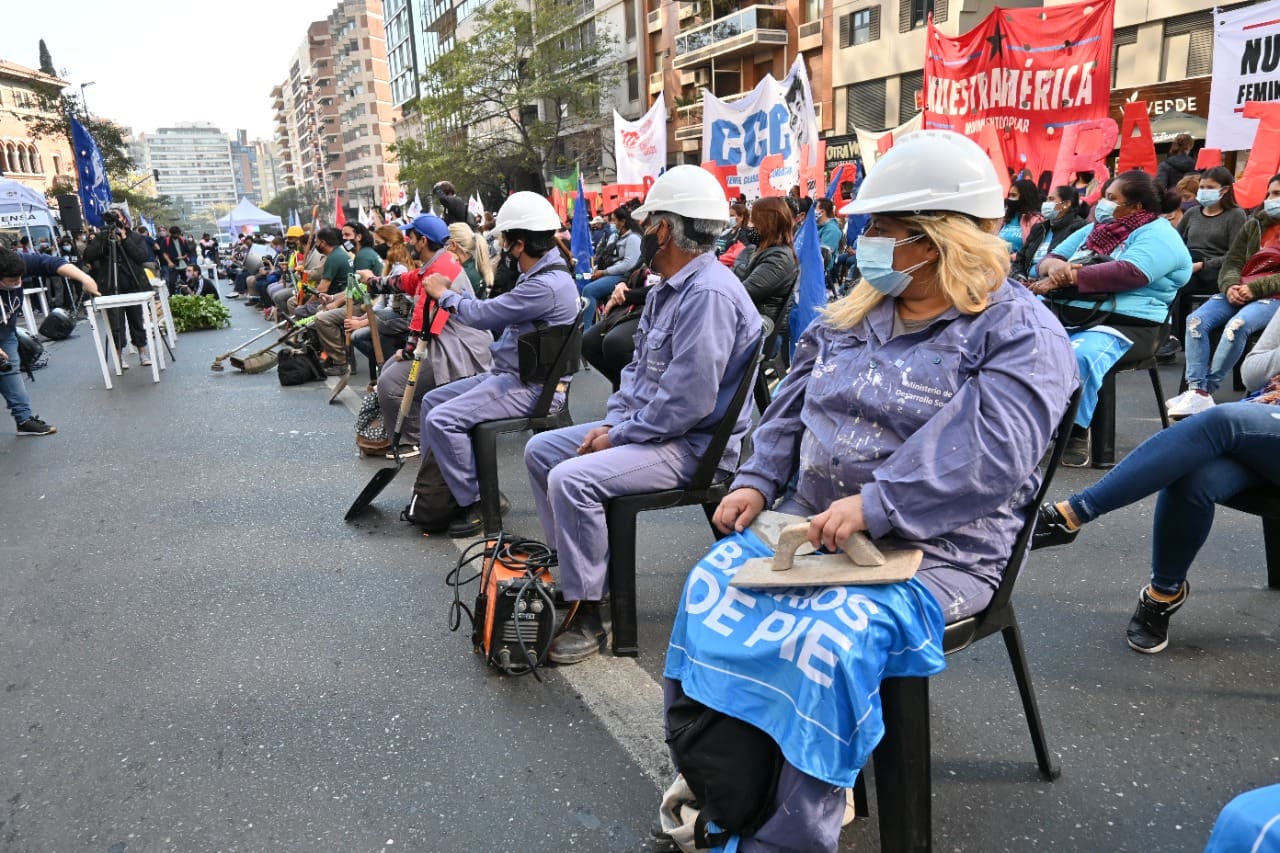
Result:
{"points": [[655, 82], [689, 118], [809, 36], [744, 32], [654, 21]]}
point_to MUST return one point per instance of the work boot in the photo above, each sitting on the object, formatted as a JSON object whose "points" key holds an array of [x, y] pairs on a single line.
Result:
{"points": [[1077, 453], [1148, 630], [584, 634], [469, 521]]}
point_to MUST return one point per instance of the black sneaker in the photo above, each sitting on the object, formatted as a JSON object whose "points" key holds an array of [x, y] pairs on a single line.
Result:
{"points": [[1052, 528], [1077, 453], [35, 426], [469, 521], [1148, 630], [1168, 351]]}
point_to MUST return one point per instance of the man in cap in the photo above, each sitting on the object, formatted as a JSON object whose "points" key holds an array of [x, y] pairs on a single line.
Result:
{"points": [[697, 335], [544, 295]]}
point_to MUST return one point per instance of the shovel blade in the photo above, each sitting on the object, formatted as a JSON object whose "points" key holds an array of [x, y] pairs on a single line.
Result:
{"points": [[381, 478], [342, 383]]}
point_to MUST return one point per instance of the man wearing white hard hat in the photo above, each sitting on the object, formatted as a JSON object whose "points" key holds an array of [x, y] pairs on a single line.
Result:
{"points": [[544, 295], [696, 336], [916, 411]]}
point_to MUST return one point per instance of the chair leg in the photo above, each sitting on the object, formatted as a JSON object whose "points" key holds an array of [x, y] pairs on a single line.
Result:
{"points": [[1158, 388], [485, 444], [761, 390], [1271, 536], [622, 583], [1049, 768], [1102, 430], [860, 807], [903, 767]]}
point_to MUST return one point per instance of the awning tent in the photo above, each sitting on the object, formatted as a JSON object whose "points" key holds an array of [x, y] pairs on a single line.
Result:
{"points": [[247, 213], [17, 198]]}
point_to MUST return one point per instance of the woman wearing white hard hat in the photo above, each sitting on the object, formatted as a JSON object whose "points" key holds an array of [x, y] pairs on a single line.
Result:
{"points": [[916, 411]]}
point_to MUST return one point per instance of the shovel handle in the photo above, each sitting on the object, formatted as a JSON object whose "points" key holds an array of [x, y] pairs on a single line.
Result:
{"points": [[858, 548]]}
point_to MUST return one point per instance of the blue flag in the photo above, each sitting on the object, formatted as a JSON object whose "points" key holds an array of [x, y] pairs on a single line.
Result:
{"points": [[811, 292], [580, 236], [294, 221], [95, 192]]}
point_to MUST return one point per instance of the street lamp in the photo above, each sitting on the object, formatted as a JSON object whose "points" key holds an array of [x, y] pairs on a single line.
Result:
{"points": [[84, 105]]}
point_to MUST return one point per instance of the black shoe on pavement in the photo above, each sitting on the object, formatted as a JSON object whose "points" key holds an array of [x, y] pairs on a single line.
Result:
{"points": [[35, 426], [1077, 453], [1052, 528], [1148, 630], [585, 634], [1168, 352], [469, 521]]}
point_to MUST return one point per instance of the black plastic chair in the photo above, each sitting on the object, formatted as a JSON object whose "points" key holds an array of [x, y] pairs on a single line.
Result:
{"points": [[1102, 431], [703, 489], [902, 760], [484, 435], [1264, 501]]}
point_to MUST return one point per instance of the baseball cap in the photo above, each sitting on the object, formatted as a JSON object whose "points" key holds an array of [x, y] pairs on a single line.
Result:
{"points": [[430, 226]]}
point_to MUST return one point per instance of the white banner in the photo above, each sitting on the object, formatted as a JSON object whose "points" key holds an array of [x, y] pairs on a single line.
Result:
{"points": [[640, 147], [1246, 50], [773, 131], [869, 141]]}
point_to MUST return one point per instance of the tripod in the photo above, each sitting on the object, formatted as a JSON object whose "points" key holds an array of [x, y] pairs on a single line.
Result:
{"points": [[113, 275]]}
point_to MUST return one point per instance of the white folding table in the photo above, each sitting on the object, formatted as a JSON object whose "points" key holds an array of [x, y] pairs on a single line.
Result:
{"points": [[27, 293], [100, 305], [162, 293]]}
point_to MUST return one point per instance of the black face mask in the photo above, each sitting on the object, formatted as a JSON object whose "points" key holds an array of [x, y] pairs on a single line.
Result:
{"points": [[750, 236], [413, 252], [381, 250], [505, 274], [649, 247]]}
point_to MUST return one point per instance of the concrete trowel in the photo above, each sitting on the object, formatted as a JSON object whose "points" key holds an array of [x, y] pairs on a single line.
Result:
{"points": [[794, 562]]}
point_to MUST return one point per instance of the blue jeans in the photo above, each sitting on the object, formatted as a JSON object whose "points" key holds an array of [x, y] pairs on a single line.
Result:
{"points": [[1194, 464], [596, 292], [11, 385], [1204, 374]]}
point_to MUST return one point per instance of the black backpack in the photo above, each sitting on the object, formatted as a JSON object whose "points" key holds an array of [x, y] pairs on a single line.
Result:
{"points": [[731, 766], [432, 506], [299, 365], [58, 325], [31, 353]]}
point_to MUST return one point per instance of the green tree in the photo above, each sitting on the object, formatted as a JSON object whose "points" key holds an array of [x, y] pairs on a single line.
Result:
{"points": [[500, 102], [301, 199], [46, 60], [51, 118]]}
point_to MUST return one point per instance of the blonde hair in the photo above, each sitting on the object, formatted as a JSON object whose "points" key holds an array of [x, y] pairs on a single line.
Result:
{"points": [[464, 246], [972, 262]]}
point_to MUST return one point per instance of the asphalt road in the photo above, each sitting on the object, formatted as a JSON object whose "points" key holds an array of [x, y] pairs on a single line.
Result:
{"points": [[197, 654]]}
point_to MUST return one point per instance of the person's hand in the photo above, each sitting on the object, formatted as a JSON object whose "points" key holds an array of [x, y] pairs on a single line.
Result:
{"points": [[4, 357], [738, 509], [595, 440], [435, 285], [597, 274], [1041, 286], [90, 286], [1197, 266], [842, 519], [350, 324], [1064, 276], [365, 275], [406, 352], [1239, 294], [1049, 265]]}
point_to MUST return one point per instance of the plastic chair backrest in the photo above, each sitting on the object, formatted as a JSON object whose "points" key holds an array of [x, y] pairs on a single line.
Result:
{"points": [[566, 362], [706, 471]]}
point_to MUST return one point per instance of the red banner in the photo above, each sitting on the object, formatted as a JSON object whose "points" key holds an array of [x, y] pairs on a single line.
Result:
{"points": [[1025, 73]]}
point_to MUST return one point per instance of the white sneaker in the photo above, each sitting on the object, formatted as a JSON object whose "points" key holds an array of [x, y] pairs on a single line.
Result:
{"points": [[1173, 402], [1194, 405]]}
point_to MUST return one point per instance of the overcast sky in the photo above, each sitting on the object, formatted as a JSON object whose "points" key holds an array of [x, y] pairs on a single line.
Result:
{"points": [[154, 64]]}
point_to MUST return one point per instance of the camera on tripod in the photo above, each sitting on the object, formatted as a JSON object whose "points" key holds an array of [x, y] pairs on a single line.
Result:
{"points": [[111, 218]]}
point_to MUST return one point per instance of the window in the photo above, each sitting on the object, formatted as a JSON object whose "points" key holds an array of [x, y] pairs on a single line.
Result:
{"points": [[1194, 34], [811, 10], [860, 27], [633, 80], [629, 13], [911, 83], [913, 14], [865, 106]]}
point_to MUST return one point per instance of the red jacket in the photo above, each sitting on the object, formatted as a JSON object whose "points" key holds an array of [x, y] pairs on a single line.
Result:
{"points": [[445, 264]]}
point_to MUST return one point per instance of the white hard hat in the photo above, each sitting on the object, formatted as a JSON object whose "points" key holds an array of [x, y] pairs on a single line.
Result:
{"points": [[526, 211], [690, 191], [932, 170]]}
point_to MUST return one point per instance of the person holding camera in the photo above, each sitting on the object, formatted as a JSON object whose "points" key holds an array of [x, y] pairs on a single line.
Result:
{"points": [[13, 267], [116, 242]]}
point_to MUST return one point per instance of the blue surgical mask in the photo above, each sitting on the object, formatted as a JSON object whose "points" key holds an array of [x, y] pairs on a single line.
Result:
{"points": [[1208, 197], [1104, 210], [1049, 210], [1271, 207], [875, 262]]}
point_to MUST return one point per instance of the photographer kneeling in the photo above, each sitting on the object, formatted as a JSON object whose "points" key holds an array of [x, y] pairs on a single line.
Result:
{"points": [[13, 267]]}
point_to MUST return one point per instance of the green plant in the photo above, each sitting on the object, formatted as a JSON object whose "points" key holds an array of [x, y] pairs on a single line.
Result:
{"points": [[198, 312]]}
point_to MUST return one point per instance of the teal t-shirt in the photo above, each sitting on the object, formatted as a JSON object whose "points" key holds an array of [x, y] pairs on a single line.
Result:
{"points": [[337, 266], [367, 259]]}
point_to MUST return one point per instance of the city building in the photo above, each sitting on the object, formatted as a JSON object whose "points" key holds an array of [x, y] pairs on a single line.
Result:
{"points": [[334, 113], [254, 165], [192, 165], [23, 157]]}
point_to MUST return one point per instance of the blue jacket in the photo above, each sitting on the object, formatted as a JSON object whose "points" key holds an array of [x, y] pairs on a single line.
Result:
{"points": [[540, 297], [940, 430], [696, 335], [1158, 251]]}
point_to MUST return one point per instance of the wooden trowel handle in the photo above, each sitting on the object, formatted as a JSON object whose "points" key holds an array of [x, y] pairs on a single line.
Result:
{"points": [[858, 548]]}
